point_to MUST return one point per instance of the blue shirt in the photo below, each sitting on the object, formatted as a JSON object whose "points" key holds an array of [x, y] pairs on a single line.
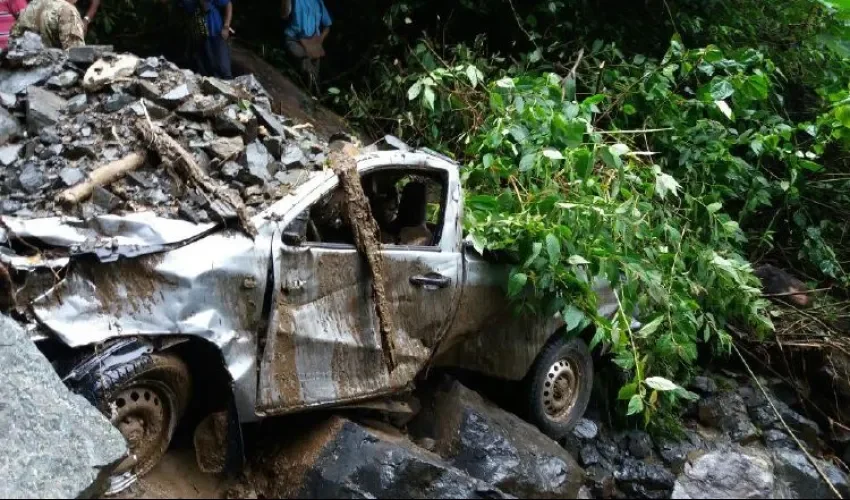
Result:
{"points": [[308, 19], [213, 16]]}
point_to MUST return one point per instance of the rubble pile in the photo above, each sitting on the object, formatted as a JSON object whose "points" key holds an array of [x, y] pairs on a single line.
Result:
{"points": [[63, 115]]}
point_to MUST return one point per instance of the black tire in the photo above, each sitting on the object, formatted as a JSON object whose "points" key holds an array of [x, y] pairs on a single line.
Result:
{"points": [[550, 368], [144, 398]]}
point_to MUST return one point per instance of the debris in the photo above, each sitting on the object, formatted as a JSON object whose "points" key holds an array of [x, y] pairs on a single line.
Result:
{"points": [[103, 176], [736, 473], [63, 80], [31, 179], [9, 127], [116, 102], [728, 412], [256, 160], [226, 148], [215, 86], [43, 109], [293, 157], [88, 54], [8, 299], [10, 154], [77, 104], [270, 121], [71, 176]]}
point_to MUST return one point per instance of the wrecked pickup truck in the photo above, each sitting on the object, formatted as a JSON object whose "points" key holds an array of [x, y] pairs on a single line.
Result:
{"points": [[148, 316]]}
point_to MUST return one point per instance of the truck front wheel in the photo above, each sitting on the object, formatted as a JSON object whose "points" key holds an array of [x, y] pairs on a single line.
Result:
{"points": [[559, 385], [144, 399]]}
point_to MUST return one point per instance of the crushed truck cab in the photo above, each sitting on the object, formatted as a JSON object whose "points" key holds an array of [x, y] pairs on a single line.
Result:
{"points": [[290, 313]]}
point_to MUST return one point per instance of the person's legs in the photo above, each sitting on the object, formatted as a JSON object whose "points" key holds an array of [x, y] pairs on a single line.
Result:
{"points": [[220, 57]]}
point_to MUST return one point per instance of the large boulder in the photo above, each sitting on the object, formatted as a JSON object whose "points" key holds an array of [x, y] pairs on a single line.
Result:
{"points": [[496, 446], [800, 479], [733, 473], [55, 444], [339, 458]]}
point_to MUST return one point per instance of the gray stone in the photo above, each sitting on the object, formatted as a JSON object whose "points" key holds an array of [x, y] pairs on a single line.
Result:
{"points": [[256, 160], [188, 213], [77, 104], [640, 444], [9, 126], [727, 412], [275, 145], [175, 97], [215, 86], [200, 107], [250, 84], [348, 460], [796, 473], [293, 157], [640, 479], [225, 148], [221, 211], [765, 417], [43, 109], [80, 149], [675, 453], [230, 170], [703, 385], [27, 45], [15, 81], [49, 135], [53, 150], [778, 439], [227, 123], [88, 54], [735, 473], [64, 79], [155, 111], [8, 207], [10, 154], [116, 102], [270, 121], [495, 446], [31, 179], [150, 75], [8, 101], [589, 455], [104, 199], [71, 176], [56, 444]]}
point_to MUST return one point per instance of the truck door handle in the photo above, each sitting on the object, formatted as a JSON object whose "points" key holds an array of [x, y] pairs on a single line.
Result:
{"points": [[431, 281]]}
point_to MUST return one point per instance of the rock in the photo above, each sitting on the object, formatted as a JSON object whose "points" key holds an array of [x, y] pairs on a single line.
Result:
{"points": [[735, 473], [775, 281], [186, 211], [293, 157], [802, 480], [155, 111], [215, 86], [227, 123], [225, 148], [77, 104], [61, 446], [16, 81], [704, 385], [275, 146], [9, 127], [495, 446], [43, 109], [8, 101], [71, 176], [640, 444], [49, 135], [256, 160], [80, 149], [8, 207], [199, 107], [108, 70], [63, 80], [338, 458], [175, 97], [104, 199], [230, 170], [270, 121], [764, 415], [116, 102], [637, 478], [88, 54], [250, 84], [589, 455], [10, 154], [150, 75], [676, 453], [586, 429], [31, 179], [27, 45], [727, 412]]}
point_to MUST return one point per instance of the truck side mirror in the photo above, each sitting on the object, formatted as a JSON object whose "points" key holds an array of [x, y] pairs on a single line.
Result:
{"points": [[292, 238]]}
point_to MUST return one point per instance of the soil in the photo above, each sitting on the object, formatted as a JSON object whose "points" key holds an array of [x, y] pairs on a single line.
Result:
{"points": [[178, 476]]}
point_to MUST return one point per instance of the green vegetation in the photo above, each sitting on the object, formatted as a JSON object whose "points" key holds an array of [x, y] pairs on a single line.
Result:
{"points": [[666, 146]]}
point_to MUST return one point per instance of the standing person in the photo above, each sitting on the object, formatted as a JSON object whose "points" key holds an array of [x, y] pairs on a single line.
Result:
{"points": [[10, 10], [57, 21], [94, 5], [306, 23], [210, 35]]}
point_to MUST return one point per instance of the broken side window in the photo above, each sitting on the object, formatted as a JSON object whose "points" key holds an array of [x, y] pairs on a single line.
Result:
{"points": [[409, 206], [324, 221]]}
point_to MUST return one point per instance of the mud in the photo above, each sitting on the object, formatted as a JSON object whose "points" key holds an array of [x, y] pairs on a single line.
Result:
{"points": [[178, 476], [125, 287], [211, 443]]}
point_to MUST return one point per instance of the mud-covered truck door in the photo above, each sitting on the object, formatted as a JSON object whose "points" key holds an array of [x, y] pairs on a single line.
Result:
{"points": [[324, 345]]}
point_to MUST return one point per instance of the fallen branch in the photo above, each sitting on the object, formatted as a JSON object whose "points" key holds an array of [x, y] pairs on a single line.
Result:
{"points": [[171, 151], [785, 425], [366, 233], [101, 176]]}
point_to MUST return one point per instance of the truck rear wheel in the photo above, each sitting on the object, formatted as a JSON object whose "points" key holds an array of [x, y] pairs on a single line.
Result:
{"points": [[144, 399], [559, 385]]}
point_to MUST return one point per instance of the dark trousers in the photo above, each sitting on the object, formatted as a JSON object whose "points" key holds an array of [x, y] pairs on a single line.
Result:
{"points": [[212, 57]]}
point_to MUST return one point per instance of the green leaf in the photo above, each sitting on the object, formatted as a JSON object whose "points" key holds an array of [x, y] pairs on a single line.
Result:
{"points": [[527, 162], [843, 115], [721, 89], [472, 74], [572, 317], [577, 260], [635, 405], [714, 207], [333, 91], [574, 132], [660, 384], [506, 83], [553, 154], [414, 91], [516, 284], [536, 248], [725, 109], [570, 89], [627, 391], [664, 184], [629, 109], [810, 165], [651, 327], [610, 158], [553, 248], [429, 97]]}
